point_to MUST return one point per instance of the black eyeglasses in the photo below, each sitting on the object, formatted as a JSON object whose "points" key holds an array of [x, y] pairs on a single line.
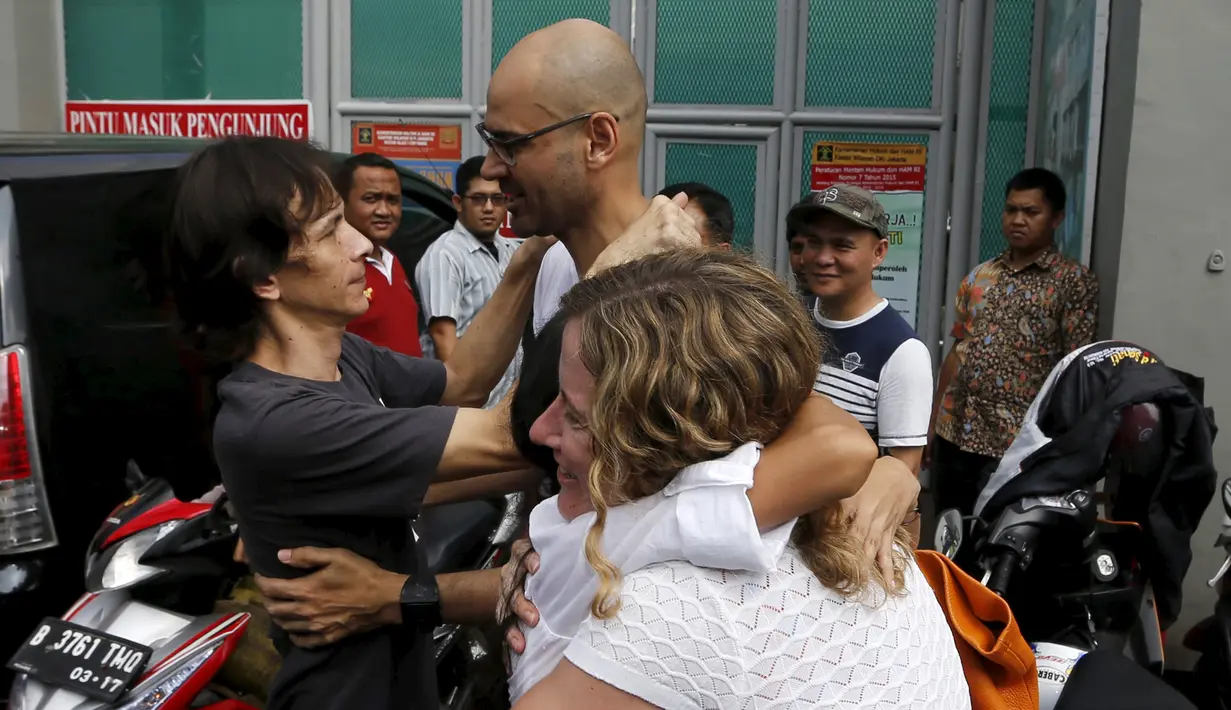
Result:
{"points": [[478, 200], [503, 147]]}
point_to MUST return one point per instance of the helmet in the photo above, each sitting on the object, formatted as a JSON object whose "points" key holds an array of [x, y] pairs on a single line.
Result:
{"points": [[1134, 457]]}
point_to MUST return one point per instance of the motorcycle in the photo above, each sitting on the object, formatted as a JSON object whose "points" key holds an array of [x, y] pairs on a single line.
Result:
{"points": [[1210, 684], [1080, 665], [165, 623], [1084, 525]]}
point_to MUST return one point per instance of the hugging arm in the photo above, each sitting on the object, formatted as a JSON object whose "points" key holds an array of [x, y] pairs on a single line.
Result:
{"points": [[481, 357], [348, 594], [823, 456]]}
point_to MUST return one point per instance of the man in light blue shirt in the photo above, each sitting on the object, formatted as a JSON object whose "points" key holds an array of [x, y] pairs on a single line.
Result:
{"points": [[459, 272]]}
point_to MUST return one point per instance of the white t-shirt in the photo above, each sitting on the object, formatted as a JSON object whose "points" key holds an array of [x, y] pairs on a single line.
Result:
{"points": [[689, 637], [877, 368], [557, 275], [702, 516]]}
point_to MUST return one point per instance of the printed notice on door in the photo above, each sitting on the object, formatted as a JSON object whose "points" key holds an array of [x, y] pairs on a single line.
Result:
{"points": [[896, 174], [430, 150]]}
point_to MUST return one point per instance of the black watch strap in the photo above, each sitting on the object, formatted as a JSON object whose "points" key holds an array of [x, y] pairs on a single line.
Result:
{"points": [[420, 600]]}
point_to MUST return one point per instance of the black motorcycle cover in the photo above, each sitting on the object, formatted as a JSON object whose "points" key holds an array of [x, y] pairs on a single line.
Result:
{"points": [[1066, 435]]}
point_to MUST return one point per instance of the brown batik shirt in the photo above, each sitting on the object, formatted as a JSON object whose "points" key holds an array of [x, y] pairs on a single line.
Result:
{"points": [[1012, 327]]}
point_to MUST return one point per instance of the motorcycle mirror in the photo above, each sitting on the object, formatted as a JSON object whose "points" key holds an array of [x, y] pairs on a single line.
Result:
{"points": [[948, 539], [133, 478]]}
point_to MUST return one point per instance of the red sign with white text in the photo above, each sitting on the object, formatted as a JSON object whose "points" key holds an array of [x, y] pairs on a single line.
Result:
{"points": [[408, 141], [191, 119], [879, 167], [506, 229]]}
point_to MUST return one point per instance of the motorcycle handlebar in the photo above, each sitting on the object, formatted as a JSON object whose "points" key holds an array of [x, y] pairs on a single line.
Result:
{"points": [[1001, 571]]}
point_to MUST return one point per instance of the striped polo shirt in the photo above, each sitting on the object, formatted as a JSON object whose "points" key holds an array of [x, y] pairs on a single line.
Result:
{"points": [[877, 368], [456, 276]]}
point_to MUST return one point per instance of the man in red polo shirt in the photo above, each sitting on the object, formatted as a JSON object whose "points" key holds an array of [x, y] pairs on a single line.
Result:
{"points": [[373, 192]]}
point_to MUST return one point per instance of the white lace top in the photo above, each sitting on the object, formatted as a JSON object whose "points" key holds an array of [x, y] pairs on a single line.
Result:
{"points": [[691, 637], [703, 516]]}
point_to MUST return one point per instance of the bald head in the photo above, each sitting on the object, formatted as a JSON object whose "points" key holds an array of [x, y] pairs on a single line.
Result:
{"points": [[572, 172], [574, 67]]}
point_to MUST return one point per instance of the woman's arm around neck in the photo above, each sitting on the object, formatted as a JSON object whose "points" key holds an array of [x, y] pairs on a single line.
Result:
{"points": [[823, 456]]}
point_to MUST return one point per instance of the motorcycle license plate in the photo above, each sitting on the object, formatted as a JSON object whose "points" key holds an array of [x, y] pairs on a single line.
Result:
{"points": [[97, 665]]}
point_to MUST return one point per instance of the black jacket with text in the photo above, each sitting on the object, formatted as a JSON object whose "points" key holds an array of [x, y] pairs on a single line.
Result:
{"points": [[1075, 425]]}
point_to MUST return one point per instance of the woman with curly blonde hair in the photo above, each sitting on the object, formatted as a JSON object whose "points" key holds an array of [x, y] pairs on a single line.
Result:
{"points": [[674, 370]]}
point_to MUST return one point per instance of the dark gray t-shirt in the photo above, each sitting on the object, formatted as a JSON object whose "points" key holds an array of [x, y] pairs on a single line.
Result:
{"points": [[338, 464]]}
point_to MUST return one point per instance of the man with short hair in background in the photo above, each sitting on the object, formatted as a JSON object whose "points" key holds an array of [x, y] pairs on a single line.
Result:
{"points": [[710, 209], [372, 189], [460, 271], [795, 255], [875, 366], [1017, 316]]}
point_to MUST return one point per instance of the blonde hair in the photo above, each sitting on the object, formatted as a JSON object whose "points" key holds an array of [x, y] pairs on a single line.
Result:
{"points": [[694, 353]]}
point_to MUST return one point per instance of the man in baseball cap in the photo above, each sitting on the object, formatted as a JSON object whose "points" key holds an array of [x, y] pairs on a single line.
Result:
{"points": [[875, 366]]}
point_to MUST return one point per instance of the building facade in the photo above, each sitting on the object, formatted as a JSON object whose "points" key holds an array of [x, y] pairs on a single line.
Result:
{"points": [[765, 100]]}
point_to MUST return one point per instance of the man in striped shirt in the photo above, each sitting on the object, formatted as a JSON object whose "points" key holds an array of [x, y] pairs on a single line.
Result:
{"points": [[460, 271], [875, 366]]}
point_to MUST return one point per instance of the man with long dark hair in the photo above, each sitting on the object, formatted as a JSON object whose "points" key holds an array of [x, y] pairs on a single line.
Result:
{"points": [[322, 438]]}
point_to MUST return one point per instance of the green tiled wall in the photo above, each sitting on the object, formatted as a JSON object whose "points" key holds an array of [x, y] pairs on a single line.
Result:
{"points": [[870, 53], [183, 49], [403, 49], [715, 52], [1007, 110], [514, 19]]}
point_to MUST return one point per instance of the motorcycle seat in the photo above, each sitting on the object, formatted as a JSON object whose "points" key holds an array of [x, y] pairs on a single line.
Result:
{"points": [[448, 532], [1109, 680]]}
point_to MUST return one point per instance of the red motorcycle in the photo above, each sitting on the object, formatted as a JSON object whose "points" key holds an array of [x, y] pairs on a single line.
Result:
{"points": [[149, 633], [145, 635]]}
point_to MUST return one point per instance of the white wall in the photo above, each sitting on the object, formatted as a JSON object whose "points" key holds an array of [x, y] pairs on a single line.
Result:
{"points": [[29, 99], [1178, 198]]}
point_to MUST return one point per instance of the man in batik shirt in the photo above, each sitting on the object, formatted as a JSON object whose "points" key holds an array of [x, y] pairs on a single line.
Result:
{"points": [[1017, 315]]}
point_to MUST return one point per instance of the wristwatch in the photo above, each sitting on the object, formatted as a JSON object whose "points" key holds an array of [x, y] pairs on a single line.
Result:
{"points": [[420, 602]]}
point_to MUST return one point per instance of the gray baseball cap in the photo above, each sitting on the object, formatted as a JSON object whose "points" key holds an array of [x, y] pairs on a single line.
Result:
{"points": [[847, 201]]}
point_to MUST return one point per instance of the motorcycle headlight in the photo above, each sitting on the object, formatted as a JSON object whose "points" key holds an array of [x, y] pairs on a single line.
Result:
{"points": [[154, 698], [121, 566]]}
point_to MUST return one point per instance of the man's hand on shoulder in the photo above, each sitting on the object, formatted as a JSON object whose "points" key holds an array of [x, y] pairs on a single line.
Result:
{"points": [[665, 225], [513, 605], [345, 595]]}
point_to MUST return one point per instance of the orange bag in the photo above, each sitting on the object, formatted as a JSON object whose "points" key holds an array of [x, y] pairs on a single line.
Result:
{"points": [[999, 667]]}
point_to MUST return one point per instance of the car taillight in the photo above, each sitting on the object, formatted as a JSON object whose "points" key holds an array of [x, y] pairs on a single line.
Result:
{"points": [[25, 517], [14, 453]]}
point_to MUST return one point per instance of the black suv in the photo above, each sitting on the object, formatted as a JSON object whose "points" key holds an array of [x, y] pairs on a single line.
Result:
{"points": [[92, 373]]}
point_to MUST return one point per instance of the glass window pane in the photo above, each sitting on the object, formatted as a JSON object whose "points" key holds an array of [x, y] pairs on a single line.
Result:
{"points": [[870, 53], [715, 52], [728, 168], [514, 19], [406, 50], [254, 50], [183, 49], [1006, 116]]}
